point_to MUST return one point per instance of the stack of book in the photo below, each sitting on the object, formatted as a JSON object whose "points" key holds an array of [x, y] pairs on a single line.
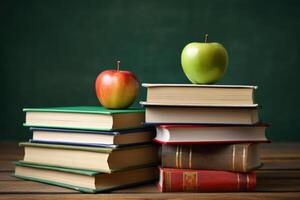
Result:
{"points": [[90, 149], [209, 136]]}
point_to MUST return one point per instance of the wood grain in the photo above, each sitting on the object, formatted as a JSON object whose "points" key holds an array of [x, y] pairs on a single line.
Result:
{"points": [[278, 179], [163, 196]]}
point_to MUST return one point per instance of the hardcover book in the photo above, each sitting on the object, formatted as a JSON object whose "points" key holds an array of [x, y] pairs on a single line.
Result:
{"points": [[198, 95], [224, 157], [84, 117], [204, 134], [111, 139], [100, 159], [86, 181], [187, 180], [200, 115]]}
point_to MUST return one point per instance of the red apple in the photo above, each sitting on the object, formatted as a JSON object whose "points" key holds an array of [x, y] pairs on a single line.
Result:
{"points": [[116, 89]]}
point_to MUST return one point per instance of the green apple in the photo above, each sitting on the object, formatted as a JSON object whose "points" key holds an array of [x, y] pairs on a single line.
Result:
{"points": [[204, 63]]}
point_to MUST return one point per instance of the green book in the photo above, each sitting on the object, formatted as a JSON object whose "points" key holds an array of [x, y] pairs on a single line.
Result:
{"points": [[102, 159], [87, 181], [85, 117]]}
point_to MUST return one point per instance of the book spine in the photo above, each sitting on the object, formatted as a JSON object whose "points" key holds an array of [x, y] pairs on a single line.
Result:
{"points": [[205, 181], [210, 157]]}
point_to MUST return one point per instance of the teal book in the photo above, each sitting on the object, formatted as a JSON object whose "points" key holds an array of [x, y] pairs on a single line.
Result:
{"points": [[85, 117], [86, 181], [102, 159]]}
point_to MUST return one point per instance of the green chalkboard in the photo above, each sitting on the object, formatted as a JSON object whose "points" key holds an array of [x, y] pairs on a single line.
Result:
{"points": [[52, 51]]}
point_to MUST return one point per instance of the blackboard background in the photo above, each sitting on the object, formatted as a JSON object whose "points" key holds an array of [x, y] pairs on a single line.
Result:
{"points": [[52, 50]]}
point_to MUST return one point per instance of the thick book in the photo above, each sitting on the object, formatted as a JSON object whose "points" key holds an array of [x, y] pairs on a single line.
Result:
{"points": [[224, 157], [86, 181], [200, 115], [187, 180], [93, 138], [84, 117], [197, 95], [205, 134], [99, 159]]}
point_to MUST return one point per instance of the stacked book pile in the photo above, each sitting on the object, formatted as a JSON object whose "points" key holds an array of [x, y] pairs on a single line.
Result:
{"points": [[90, 149], [209, 136]]}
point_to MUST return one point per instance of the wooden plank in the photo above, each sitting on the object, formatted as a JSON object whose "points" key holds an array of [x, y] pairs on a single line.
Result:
{"points": [[281, 164], [149, 188], [159, 196], [278, 174], [31, 187], [280, 151], [10, 151], [278, 185], [264, 184], [271, 184], [6, 165], [6, 176]]}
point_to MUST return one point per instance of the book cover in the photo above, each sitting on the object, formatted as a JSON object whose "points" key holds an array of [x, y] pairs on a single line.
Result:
{"points": [[84, 117], [197, 85], [89, 173], [153, 104], [110, 132], [223, 157], [113, 146], [210, 134], [85, 109], [201, 115], [102, 159], [259, 124], [63, 141], [183, 180], [200, 95], [81, 148]]}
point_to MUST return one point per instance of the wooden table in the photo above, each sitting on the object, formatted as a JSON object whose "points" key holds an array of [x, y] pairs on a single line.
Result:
{"points": [[278, 179]]}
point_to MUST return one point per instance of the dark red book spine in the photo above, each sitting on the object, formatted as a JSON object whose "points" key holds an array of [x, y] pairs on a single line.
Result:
{"points": [[182, 180]]}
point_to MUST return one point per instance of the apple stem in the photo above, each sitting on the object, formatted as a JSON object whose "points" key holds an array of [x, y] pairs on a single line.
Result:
{"points": [[118, 65], [206, 37]]}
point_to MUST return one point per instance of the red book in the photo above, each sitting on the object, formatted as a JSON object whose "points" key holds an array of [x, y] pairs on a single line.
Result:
{"points": [[184, 180]]}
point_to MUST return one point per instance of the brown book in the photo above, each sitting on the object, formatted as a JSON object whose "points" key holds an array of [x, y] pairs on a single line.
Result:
{"points": [[234, 157], [198, 95], [202, 115]]}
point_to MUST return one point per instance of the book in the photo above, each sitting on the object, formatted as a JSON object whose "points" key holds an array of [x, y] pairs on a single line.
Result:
{"points": [[100, 159], [93, 138], [84, 117], [86, 181], [197, 95], [180, 134], [200, 115], [224, 157], [187, 180]]}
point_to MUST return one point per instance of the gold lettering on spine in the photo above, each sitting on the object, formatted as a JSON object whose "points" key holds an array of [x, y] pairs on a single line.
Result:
{"points": [[247, 181], [180, 156], [190, 157], [190, 181], [233, 158], [168, 182], [238, 182], [177, 149], [244, 158]]}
